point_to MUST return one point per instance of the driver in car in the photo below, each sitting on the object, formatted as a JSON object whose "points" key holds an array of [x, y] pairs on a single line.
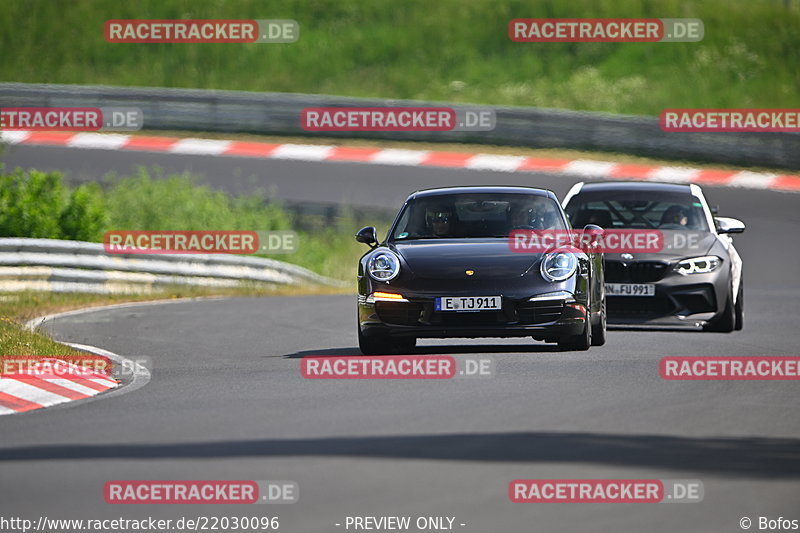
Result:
{"points": [[675, 217], [441, 222], [525, 216]]}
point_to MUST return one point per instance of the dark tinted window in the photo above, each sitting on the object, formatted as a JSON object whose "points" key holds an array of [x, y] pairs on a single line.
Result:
{"points": [[476, 215], [637, 209]]}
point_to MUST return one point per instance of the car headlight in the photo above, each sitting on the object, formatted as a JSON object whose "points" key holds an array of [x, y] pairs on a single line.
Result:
{"points": [[698, 265], [558, 266], [383, 266]]}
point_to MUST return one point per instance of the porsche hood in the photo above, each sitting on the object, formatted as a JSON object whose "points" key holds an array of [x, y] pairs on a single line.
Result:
{"points": [[450, 258]]}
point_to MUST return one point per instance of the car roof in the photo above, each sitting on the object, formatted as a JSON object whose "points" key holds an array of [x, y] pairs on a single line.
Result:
{"points": [[636, 186], [482, 189]]}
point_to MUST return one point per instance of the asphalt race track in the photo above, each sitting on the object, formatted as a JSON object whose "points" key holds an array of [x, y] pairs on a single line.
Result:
{"points": [[227, 401]]}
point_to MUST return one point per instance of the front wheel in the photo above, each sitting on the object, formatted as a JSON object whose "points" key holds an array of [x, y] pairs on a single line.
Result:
{"points": [[580, 342], [726, 322], [384, 344], [599, 327], [373, 345], [739, 308]]}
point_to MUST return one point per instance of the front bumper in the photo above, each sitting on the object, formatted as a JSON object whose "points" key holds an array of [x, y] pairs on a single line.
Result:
{"points": [[680, 300], [415, 316]]}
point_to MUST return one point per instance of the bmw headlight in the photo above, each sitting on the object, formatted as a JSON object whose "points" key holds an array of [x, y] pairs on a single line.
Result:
{"points": [[558, 266], [383, 266], [698, 265]]}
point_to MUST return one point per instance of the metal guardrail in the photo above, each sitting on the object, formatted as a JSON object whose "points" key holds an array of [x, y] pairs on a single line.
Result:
{"points": [[279, 114], [60, 265]]}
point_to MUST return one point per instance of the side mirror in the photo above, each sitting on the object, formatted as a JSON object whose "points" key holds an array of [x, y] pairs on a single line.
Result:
{"points": [[714, 209], [594, 232], [729, 225], [593, 229], [368, 235]]}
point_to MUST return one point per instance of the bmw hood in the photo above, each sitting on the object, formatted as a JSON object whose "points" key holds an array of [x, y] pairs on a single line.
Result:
{"points": [[677, 245], [449, 259]]}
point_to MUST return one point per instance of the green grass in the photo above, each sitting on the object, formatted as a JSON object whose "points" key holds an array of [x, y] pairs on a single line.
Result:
{"points": [[448, 50]]}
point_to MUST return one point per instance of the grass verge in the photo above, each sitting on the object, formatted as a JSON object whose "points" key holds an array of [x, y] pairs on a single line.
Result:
{"points": [[448, 50]]}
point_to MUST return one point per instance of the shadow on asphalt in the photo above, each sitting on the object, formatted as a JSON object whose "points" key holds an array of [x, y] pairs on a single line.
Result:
{"points": [[656, 329], [433, 350], [748, 457]]}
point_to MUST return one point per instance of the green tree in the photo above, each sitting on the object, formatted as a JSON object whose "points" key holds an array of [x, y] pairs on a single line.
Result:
{"points": [[84, 218], [30, 204]]}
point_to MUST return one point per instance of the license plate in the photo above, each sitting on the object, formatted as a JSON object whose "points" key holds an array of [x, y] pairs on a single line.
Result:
{"points": [[630, 289], [469, 303]]}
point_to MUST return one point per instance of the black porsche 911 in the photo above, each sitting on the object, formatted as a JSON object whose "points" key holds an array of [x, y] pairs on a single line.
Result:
{"points": [[446, 270], [695, 280]]}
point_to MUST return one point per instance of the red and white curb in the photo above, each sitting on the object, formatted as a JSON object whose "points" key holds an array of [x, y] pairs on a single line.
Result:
{"points": [[29, 392], [583, 168]]}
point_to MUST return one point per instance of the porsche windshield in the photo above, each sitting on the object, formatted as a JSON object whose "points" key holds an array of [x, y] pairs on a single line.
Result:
{"points": [[637, 210], [465, 216]]}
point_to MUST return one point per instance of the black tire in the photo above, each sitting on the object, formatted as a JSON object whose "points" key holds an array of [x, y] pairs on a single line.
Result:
{"points": [[577, 343], [403, 345], [726, 322], [599, 327], [385, 345], [373, 345], [739, 307]]}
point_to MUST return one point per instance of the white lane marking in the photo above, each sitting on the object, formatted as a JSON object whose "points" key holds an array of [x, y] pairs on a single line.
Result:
{"points": [[674, 174], [30, 393], [13, 136], [303, 152], [73, 386], [199, 146], [589, 168], [400, 157], [98, 140], [502, 163], [752, 180], [105, 382]]}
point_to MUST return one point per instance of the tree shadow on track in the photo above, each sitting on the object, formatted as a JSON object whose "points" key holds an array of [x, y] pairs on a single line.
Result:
{"points": [[739, 457]]}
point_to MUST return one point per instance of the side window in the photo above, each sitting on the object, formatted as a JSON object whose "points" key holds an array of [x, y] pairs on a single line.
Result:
{"points": [[402, 223]]}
